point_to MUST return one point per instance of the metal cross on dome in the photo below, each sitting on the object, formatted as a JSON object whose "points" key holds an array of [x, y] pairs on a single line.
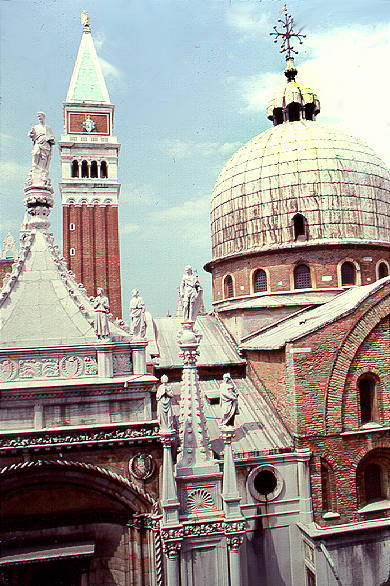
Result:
{"points": [[287, 34]]}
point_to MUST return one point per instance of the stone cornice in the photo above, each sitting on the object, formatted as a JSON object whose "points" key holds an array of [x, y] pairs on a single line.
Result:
{"points": [[85, 436], [315, 243]]}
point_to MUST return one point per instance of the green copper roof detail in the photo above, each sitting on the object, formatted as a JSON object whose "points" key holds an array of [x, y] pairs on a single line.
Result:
{"points": [[87, 86], [87, 83]]}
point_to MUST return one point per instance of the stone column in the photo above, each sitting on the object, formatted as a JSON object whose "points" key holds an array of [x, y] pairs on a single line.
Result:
{"points": [[230, 494], [104, 359], [172, 551], [234, 543], [306, 514], [139, 356], [169, 501]]}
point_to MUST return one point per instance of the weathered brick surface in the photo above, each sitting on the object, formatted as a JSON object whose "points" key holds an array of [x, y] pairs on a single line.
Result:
{"points": [[316, 395], [279, 265], [95, 239]]}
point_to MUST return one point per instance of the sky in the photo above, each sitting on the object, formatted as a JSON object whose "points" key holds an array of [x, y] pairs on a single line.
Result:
{"points": [[190, 81]]}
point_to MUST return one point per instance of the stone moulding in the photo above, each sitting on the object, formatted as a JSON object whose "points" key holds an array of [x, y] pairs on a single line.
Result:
{"points": [[121, 480], [67, 438], [194, 529], [51, 366]]}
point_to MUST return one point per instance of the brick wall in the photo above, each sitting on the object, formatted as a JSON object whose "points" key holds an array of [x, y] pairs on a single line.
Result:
{"points": [[95, 241], [316, 394], [279, 265]]}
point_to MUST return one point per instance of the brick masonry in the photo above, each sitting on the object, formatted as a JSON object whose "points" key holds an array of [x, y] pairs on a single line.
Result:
{"points": [[317, 397], [95, 241], [279, 265]]}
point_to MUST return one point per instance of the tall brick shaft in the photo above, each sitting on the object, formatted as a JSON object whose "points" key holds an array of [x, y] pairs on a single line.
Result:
{"points": [[89, 185]]}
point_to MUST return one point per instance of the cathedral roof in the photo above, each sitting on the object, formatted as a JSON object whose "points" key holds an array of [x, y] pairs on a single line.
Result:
{"points": [[259, 430], [216, 347], [307, 321], [300, 166], [42, 305], [87, 83], [335, 180]]}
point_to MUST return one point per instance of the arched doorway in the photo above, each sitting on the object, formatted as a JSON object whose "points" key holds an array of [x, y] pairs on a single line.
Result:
{"points": [[71, 524]]}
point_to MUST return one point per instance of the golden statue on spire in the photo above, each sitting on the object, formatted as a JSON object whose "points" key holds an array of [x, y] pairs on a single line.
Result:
{"points": [[84, 18], [288, 33]]}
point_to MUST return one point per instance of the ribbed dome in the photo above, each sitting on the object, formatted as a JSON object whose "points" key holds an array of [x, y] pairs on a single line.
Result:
{"points": [[334, 180]]}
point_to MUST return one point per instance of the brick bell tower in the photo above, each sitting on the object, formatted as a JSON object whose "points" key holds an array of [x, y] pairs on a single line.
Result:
{"points": [[89, 186]]}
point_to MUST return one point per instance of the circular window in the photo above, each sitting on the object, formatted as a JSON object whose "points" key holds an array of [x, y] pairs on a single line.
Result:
{"points": [[265, 483]]}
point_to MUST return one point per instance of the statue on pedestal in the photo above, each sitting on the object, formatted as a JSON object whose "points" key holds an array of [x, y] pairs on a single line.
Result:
{"points": [[137, 315], [190, 292], [228, 400], [164, 406], [43, 139], [102, 309]]}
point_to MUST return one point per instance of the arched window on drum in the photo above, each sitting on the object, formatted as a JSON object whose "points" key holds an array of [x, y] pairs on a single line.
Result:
{"points": [[228, 287], [383, 270], [260, 281], [302, 277], [348, 274], [300, 228]]}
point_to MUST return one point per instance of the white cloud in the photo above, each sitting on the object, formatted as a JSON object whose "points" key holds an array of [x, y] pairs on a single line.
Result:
{"points": [[229, 147], [346, 69], [108, 69], [99, 38], [187, 222], [248, 18], [128, 228], [179, 149], [188, 210]]}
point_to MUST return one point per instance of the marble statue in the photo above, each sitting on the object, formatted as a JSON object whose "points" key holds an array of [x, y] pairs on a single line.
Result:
{"points": [[43, 139], [89, 125], [137, 315], [102, 308], [228, 395], [190, 292], [164, 405]]}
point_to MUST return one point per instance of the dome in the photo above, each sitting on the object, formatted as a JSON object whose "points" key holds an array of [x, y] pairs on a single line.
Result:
{"points": [[337, 185]]}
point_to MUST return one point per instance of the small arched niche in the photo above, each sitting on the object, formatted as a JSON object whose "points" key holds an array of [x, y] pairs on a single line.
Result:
{"points": [[348, 274], [94, 169], [103, 170], [84, 170], [75, 169], [300, 227], [228, 287]]}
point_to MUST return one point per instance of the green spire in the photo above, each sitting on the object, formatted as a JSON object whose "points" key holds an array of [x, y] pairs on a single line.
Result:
{"points": [[87, 83]]}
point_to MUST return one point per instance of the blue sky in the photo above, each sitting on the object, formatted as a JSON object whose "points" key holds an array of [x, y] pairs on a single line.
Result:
{"points": [[190, 81]]}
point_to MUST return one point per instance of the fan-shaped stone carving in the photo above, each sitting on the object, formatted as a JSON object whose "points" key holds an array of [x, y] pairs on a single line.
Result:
{"points": [[200, 500]]}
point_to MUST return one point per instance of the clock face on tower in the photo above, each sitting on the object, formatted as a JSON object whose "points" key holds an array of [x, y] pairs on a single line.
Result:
{"points": [[88, 123]]}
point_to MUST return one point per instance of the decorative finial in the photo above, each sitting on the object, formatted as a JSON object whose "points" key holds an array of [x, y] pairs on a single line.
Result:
{"points": [[84, 18], [287, 34]]}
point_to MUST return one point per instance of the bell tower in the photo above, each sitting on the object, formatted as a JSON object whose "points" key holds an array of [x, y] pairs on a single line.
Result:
{"points": [[89, 185]]}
